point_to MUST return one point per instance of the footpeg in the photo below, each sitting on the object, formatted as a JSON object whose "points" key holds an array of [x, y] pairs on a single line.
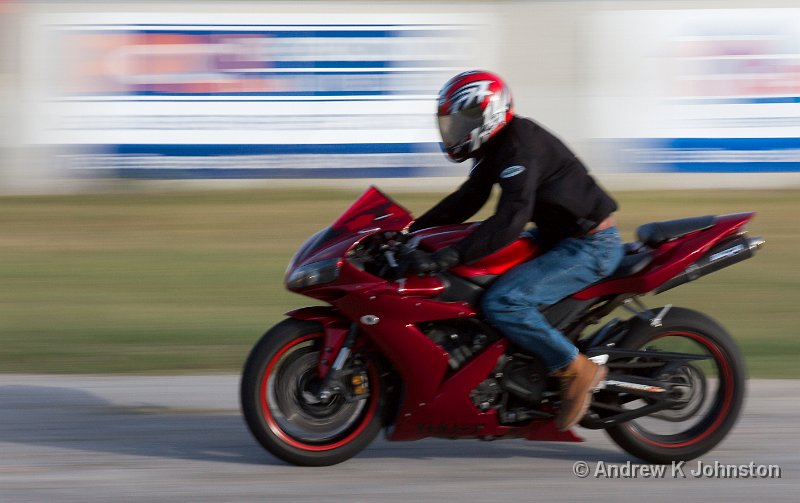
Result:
{"points": [[600, 360]]}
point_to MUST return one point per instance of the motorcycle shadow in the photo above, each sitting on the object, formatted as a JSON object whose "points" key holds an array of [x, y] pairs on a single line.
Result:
{"points": [[67, 418], [435, 448], [75, 419]]}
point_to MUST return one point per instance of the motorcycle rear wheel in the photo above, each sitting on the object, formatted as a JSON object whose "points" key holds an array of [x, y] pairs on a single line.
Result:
{"points": [[280, 407], [689, 431]]}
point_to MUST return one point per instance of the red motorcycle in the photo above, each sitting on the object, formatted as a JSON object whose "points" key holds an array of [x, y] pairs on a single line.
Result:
{"points": [[413, 354]]}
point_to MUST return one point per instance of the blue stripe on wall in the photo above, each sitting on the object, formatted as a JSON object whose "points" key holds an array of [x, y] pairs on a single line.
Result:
{"points": [[287, 94], [289, 31], [731, 143], [228, 167], [754, 100], [729, 167], [274, 173], [269, 149], [696, 155]]}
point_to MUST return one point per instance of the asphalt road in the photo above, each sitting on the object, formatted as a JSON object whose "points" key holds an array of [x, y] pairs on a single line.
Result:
{"points": [[164, 439]]}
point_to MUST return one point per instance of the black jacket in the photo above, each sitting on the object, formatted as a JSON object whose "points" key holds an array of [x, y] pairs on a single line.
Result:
{"points": [[542, 182]]}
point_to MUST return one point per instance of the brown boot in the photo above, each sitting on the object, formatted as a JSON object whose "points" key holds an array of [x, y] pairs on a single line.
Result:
{"points": [[578, 380]]}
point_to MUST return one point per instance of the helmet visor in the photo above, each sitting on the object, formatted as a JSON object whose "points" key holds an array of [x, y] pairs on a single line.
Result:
{"points": [[455, 128]]}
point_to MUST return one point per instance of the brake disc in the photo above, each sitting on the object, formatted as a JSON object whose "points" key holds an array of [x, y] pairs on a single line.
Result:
{"points": [[690, 385]]}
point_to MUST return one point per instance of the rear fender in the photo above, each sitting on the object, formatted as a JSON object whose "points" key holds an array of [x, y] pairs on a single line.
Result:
{"points": [[671, 259], [335, 327]]}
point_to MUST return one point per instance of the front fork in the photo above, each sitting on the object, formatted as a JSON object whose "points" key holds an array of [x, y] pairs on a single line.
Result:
{"points": [[332, 382], [334, 369]]}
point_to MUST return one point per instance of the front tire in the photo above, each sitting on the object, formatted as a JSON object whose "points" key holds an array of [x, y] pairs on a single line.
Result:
{"points": [[687, 432], [276, 397]]}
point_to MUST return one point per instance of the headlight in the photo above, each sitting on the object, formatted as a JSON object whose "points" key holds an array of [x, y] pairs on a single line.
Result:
{"points": [[317, 273]]}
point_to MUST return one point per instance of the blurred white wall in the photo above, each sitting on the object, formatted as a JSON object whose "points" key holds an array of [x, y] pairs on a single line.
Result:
{"points": [[544, 50]]}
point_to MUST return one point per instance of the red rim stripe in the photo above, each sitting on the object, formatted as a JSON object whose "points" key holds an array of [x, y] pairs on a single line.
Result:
{"points": [[273, 425], [727, 397]]}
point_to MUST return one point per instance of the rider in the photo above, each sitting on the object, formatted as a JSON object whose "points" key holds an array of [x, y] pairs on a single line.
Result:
{"points": [[542, 182]]}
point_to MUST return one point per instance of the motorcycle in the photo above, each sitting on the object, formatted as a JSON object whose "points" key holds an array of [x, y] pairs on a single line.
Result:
{"points": [[413, 355]]}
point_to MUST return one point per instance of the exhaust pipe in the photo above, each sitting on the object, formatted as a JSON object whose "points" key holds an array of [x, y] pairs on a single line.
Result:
{"points": [[727, 253]]}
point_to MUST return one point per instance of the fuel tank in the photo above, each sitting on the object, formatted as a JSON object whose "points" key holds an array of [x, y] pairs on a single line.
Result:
{"points": [[521, 250]]}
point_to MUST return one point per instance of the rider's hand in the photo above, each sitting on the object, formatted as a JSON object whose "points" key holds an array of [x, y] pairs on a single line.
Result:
{"points": [[446, 258], [422, 262]]}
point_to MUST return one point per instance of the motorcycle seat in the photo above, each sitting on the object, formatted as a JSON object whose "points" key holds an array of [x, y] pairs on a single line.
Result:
{"points": [[657, 233]]}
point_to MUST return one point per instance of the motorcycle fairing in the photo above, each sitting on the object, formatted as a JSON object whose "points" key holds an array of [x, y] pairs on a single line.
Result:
{"points": [[373, 211], [432, 395], [436, 400]]}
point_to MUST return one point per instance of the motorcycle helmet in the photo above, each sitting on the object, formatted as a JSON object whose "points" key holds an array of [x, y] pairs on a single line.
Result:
{"points": [[473, 107]]}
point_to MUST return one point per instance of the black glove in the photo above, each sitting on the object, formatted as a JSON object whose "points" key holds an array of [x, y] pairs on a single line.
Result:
{"points": [[422, 262]]}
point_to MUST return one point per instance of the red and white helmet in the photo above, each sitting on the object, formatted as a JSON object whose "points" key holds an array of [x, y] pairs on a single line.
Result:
{"points": [[473, 107]]}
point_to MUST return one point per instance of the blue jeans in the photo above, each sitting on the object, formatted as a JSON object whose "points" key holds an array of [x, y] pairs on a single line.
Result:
{"points": [[512, 303]]}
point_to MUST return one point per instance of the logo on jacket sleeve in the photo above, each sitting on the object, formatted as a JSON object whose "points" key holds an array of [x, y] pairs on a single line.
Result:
{"points": [[512, 171]]}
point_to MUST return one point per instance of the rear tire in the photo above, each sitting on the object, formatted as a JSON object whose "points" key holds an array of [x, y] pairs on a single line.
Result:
{"points": [[278, 413], [724, 404]]}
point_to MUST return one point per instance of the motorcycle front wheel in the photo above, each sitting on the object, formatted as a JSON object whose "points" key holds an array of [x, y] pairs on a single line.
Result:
{"points": [[280, 405], [714, 389]]}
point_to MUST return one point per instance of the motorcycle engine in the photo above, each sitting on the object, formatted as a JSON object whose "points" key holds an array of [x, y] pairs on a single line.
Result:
{"points": [[518, 382], [462, 339], [524, 376]]}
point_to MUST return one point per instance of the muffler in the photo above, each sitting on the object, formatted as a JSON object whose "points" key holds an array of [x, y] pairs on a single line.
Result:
{"points": [[726, 253]]}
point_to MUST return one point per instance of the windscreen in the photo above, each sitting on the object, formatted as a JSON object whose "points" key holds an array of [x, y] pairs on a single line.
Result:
{"points": [[374, 210]]}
